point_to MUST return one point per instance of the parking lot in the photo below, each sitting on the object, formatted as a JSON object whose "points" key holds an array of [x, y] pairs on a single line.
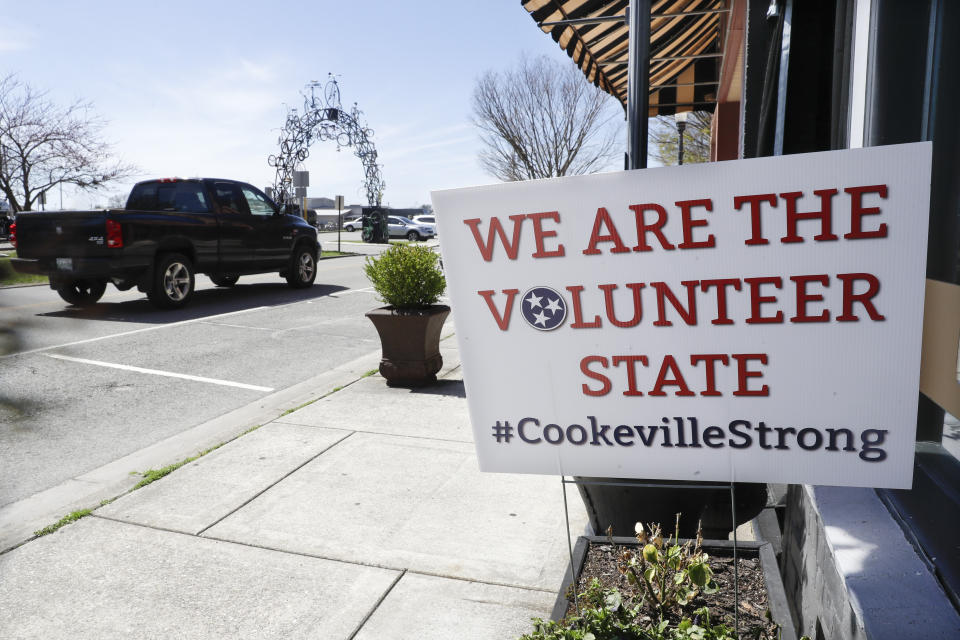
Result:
{"points": [[85, 387]]}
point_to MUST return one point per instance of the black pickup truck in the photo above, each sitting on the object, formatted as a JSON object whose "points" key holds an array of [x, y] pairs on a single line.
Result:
{"points": [[170, 230]]}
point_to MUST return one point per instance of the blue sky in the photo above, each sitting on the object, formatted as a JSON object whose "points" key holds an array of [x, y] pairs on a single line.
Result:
{"points": [[201, 88]]}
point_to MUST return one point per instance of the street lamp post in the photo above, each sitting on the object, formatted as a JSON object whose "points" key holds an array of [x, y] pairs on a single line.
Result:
{"points": [[681, 118]]}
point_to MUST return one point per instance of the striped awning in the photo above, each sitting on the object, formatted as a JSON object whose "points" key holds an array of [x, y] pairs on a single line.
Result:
{"points": [[686, 47]]}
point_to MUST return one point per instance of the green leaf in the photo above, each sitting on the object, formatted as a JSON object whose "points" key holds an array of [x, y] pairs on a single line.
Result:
{"points": [[700, 573], [613, 600], [650, 574], [650, 553], [711, 587]]}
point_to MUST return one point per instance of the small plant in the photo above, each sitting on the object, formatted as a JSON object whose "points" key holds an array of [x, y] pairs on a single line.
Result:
{"points": [[665, 577], [407, 276], [605, 614], [669, 573], [65, 520]]}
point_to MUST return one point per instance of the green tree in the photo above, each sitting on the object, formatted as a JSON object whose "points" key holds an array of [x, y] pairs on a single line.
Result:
{"points": [[664, 136]]}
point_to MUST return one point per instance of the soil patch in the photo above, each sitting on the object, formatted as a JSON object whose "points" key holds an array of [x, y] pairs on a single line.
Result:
{"points": [[602, 563]]}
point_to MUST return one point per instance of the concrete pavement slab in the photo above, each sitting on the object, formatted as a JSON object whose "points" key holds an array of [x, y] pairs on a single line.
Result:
{"points": [[432, 608], [102, 579], [20, 519], [418, 504], [208, 489], [434, 411]]}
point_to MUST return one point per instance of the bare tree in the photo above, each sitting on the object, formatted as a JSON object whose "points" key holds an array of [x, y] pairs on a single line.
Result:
{"points": [[542, 120], [117, 201], [664, 137], [43, 145]]}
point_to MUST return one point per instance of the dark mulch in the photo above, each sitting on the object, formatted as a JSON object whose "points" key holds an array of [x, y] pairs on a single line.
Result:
{"points": [[601, 563]]}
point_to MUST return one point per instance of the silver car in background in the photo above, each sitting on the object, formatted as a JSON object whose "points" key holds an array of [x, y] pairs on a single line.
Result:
{"points": [[400, 227]]}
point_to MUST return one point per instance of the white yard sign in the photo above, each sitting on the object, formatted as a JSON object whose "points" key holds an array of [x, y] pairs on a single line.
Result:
{"points": [[756, 320]]}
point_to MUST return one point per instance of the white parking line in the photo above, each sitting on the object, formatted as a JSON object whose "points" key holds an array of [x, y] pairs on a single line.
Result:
{"points": [[238, 326], [168, 374], [164, 326], [348, 292], [130, 333]]}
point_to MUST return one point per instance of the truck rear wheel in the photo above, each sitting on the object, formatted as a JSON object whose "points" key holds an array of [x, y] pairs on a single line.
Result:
{"points": [[172, 281], [302, 270], [82, 293]]}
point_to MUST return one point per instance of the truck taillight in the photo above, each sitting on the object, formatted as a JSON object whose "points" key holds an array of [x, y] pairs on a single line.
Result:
{"points": [[114, 234], [13, 235]]}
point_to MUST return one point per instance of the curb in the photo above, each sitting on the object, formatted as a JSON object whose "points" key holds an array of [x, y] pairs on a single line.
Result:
{"points": [[20, 519]]}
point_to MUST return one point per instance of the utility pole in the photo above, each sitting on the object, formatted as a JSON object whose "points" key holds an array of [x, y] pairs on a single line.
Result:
{"points": [[638, 83], [681, 119], [339, 202]]}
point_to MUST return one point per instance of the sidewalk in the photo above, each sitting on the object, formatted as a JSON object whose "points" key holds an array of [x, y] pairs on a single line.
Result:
{"points": [[361, 515], [328, 242]]}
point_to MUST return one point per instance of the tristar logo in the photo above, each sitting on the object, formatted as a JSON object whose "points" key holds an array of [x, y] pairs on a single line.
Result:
{"points": [[544, 308]]}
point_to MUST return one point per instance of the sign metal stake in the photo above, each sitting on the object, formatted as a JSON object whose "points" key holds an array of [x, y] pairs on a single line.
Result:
{"points": [[736, 567], [566, 518]]}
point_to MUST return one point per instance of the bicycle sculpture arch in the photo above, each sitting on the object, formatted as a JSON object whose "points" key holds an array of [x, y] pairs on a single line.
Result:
{"points": [[325, 119]]}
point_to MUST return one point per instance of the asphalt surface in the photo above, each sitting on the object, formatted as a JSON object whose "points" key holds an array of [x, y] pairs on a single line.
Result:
{"points": [[88, 386]]}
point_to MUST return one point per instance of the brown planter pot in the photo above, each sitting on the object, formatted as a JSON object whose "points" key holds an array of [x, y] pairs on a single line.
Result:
{"points": [[410, 339]]}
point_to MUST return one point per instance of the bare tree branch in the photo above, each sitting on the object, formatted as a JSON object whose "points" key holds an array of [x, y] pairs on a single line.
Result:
{"points": [[43, 145], [542, 120]]}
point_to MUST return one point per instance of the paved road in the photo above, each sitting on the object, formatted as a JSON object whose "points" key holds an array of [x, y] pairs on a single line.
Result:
{"points": [[94, 385]]}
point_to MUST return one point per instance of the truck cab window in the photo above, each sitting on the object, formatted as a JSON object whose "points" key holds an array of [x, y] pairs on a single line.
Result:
{"points": [[191, 198], [258, 203], [228, 197], [143, 197], [166, 197]]}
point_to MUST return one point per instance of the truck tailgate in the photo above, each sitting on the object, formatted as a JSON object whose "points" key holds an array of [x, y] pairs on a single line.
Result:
{"points": [[61, 234]]}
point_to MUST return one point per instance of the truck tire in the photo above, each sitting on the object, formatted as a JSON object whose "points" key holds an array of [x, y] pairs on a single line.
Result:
{"points": [[225, 280], [302, 270], [172, 281], [82, 293]]}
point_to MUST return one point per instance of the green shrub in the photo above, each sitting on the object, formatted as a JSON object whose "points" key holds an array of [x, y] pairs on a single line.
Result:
{"points": [[669, 573], [407, 276]]}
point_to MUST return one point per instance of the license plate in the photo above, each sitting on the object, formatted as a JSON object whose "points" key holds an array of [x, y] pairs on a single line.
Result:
{"points": [[65, 264]]}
